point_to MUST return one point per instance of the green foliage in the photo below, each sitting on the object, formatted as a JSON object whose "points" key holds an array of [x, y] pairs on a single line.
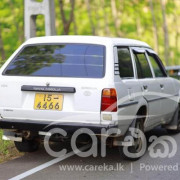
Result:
{"points": [[7, 150], [129, 19], [11, 24], [4, 145]]}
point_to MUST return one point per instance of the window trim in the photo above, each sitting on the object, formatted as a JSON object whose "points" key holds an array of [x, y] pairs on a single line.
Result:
{"points": [[158, 61], [138, 50], [117, 61], [136, 66], [141, 50]]}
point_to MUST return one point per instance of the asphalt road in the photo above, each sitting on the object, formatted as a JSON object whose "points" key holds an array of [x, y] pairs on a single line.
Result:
{"points": [[139, 169]]}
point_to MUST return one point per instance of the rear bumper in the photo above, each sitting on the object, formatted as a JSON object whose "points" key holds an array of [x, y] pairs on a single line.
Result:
{"points": [[48, 125]]}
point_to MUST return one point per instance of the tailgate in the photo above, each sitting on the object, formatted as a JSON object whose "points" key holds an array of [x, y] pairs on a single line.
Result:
{"points": [[64, 99]]}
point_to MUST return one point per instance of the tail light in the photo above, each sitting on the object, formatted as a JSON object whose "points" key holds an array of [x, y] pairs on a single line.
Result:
{"points": [[109, 100]]}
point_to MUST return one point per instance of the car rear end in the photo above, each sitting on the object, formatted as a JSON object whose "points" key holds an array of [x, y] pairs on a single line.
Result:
{"points": [[60, 83]]}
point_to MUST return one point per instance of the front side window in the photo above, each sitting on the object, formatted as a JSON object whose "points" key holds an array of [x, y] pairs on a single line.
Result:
{"points": [[125, 63], [63, 60], [142, 65], [156, 66]]}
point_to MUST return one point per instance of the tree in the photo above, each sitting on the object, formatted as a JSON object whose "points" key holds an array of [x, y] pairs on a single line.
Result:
{"points": [[90, 17], [137, 19], [20, 31], [66, 23], [166, 35], [3, 57], [107, 31], [155, 29], [116, 17]]}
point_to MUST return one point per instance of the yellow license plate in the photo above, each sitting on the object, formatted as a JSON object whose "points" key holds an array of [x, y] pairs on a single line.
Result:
{"points": [[48, 101]]}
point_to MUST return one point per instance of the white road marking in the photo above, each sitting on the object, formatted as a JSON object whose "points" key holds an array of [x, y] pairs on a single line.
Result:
{"points": [[50, 163]]}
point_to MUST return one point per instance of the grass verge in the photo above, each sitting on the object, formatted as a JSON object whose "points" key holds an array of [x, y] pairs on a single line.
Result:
{"points": [[7, 150]]}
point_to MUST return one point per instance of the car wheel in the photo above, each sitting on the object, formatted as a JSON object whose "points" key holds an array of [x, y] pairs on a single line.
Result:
{"points": [[177, 130], [138, 142], [27, 145]]}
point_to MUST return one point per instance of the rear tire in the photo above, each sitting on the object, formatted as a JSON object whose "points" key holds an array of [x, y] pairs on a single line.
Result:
{"points": [[177, 130], [138, 142], [27, 145]]}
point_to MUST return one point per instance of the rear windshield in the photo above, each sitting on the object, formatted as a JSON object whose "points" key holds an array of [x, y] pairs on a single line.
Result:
{"points": [[65, 60]]}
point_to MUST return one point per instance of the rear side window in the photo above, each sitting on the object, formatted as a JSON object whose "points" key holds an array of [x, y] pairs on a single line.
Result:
{"points": [[158, 70], [125, 63], [64, 60], [143, 68]]}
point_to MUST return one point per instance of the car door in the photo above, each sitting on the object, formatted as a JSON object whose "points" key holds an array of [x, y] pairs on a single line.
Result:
{"points": [[126, 84], [149, 86], [167, 94]]}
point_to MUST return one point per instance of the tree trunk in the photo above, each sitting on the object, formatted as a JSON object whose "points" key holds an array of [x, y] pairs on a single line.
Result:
{"points": [[75, 25], [166, 35], [2, 51], [96, 7], [176, 32], [138, 27], [90, 17], [107, 31], [155, 30], [116, 18], [67, 23]]}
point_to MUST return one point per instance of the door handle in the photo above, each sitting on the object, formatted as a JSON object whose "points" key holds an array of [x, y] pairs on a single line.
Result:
{"points": [[145, 87], [162, 86]]}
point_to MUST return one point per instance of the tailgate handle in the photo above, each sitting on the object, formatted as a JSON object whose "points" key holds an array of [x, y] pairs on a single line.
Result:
{"points": [[48, 89], [145, 87], [162, 86]]}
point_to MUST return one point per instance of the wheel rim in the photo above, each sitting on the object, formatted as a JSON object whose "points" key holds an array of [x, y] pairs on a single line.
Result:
{"points": [[138, 141]]}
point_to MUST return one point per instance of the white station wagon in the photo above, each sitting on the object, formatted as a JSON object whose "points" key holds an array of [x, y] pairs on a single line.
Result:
{"points": [[73, 82]]}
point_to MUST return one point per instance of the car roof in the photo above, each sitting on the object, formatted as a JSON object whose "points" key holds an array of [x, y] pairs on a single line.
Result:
{"points": [[86, 39]]}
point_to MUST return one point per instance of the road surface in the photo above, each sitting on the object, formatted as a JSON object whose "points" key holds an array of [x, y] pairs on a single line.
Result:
{"points": [[39, 165]]}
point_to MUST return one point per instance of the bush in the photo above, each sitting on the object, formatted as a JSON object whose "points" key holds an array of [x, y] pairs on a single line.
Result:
{"points": [[4, 145], [7, 149]]}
